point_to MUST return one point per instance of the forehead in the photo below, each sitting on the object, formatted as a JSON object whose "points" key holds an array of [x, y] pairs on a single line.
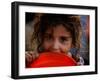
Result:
{"points": [[58, 30]]}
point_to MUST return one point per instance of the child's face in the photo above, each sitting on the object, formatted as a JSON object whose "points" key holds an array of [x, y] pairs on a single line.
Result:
{"points": [[57, 39]]}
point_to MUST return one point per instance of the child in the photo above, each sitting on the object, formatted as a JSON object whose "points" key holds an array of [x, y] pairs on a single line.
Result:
{"points": [[56, 33]]}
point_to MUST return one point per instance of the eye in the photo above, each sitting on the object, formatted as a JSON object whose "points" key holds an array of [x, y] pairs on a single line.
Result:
{"points": [[48, 37], [64, 40]]}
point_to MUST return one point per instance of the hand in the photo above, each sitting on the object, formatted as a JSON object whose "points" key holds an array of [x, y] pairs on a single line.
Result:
{"points": [[30, 56]]}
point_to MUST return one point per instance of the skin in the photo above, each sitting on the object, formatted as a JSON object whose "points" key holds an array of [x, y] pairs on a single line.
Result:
{"points": [[58, 40]]}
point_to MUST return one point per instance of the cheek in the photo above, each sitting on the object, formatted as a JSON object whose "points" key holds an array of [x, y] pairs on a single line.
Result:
{"points": [[46, 45], [66, 48]]}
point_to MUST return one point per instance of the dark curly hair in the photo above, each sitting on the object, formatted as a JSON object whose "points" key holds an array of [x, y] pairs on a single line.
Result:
{"points": [[48, 21]]}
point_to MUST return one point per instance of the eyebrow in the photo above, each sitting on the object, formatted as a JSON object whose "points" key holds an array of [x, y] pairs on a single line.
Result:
{"points": [[47, 34], [64, 36], [51, 34]]}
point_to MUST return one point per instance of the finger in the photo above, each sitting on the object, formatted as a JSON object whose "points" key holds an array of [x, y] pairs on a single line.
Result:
{"points": [[33, 54], [28, 58]]}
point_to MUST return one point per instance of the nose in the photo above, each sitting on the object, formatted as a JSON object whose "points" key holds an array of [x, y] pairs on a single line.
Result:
{"points": [[56, 46]]}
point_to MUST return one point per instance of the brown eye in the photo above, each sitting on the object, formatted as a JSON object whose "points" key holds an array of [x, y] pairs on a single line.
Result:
{"points": [[64, 40], [48, 37]]}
